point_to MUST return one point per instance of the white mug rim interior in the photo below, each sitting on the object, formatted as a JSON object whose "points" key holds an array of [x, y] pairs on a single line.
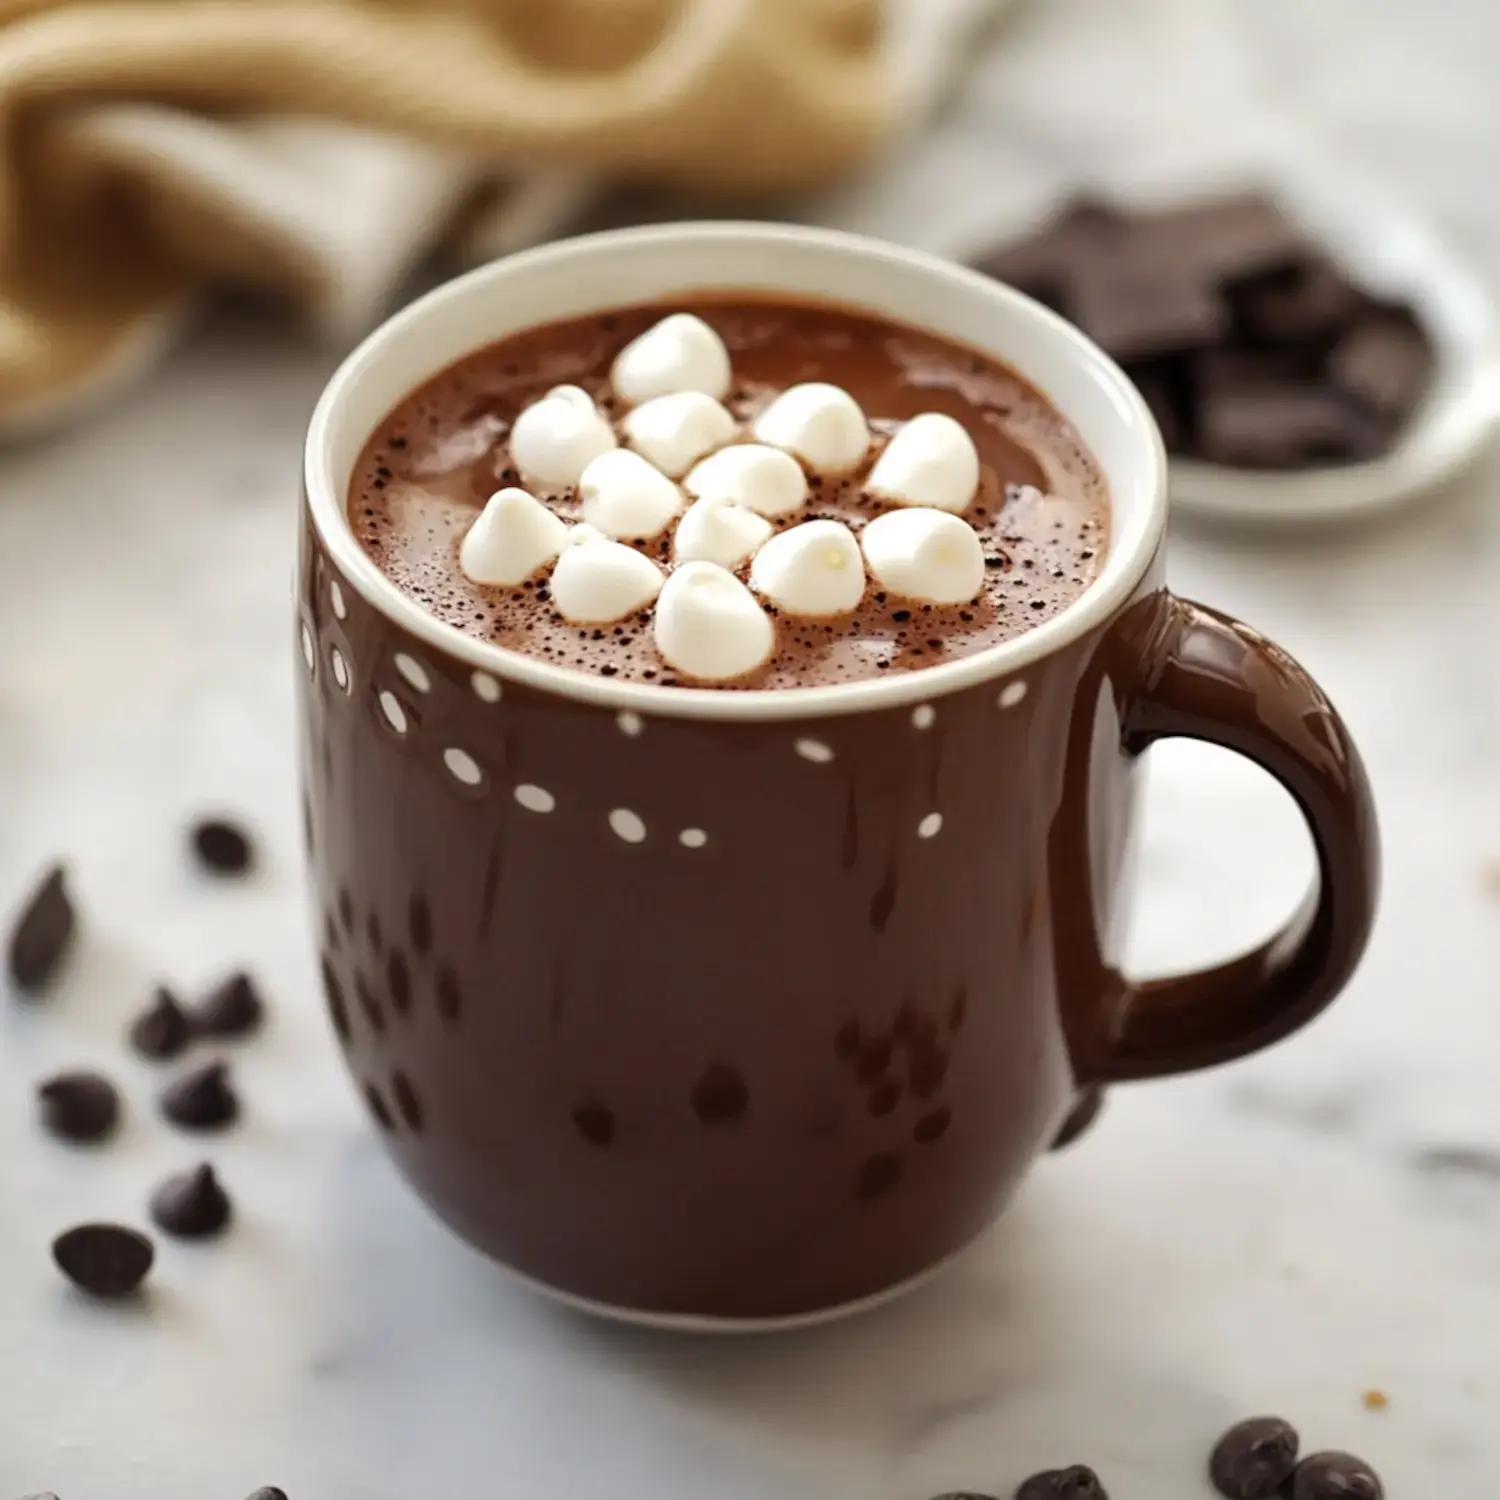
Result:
{"points": [[1136, 531]]}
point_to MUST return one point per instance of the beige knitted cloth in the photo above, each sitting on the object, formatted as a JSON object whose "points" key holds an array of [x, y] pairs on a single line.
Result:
{"points": [[312, 149]]}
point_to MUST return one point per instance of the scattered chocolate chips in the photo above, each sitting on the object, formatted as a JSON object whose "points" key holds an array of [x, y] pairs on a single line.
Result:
{"points": [[202, 1100], [81, 1107], [192, 1205], [222, 846], [41, 937], [1336, 1476], [162, 1030], [1254, 1459], [1250, 344], [104, 1260], [231, 1009], [1076, 1483]]}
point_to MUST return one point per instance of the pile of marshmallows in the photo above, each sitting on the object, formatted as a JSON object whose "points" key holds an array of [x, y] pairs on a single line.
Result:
{"points": [[707, 624]]}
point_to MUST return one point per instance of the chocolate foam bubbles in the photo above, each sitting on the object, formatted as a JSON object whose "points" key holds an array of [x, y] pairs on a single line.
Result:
{"points": [[470, 531]]}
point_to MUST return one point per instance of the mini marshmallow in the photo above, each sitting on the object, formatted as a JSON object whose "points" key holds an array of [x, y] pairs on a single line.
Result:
{"points": [[718, 532], [928, 555], [765, 480], [813, 569], [597, 581], [627, 498], [820, 424], [554, 439], [675, 431], [931, 461], [514, 536], [708, 626], [681, 353]]}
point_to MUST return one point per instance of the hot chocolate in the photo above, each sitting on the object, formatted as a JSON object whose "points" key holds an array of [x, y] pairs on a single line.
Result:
{"points": [[735, 493]]}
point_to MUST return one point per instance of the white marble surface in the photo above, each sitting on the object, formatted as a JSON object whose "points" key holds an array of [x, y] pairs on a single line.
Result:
{"points": [[1279, 1235]]}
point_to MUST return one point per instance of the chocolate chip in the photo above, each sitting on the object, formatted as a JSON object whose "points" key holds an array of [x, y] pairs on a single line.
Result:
{"points": [[1254, 1459], [1336, 1476], [162, 1030], [80, 1107], [270, 1492], [191, 1206], [1076, 1483], [105, 1260], [40, 939], [222, 846], [1084, 1112], [232, 1008], [202, 1099]]}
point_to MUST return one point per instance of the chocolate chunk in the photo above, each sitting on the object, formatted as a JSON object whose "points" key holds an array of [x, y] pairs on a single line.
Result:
{"points": [[41, 937], [191, 1206], [1254, 1459], [202, 1099], [1138, 308], [1336, 1476], [1166, 387], [1044, 264], [1084, 1112], [1303, 305], [231, 1009], [270, 1492], [1076, 1483], [1294, 426], [162, 1030], [105, 1260], [222, 846], [1384, 363], [81, 1107], [1222, 240]]}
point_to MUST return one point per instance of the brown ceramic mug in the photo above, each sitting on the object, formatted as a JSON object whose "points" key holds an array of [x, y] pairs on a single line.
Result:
{"points": [[734, 1007]]}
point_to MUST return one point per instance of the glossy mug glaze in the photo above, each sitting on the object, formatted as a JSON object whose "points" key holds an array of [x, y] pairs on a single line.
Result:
{"points": [[744, 1007]]}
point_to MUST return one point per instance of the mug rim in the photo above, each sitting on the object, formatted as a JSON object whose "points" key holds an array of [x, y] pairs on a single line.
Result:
{"points": [[1126, 563]]}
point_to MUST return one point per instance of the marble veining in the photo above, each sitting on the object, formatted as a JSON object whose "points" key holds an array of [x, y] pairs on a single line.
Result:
{"points": [[1283, 1235]]}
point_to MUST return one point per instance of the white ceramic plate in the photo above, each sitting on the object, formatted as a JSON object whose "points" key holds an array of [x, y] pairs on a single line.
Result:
{"points": [[1388, 249]]}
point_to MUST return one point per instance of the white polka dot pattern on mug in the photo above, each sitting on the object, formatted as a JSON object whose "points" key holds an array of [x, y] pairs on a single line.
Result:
{"points": [[923, 716], [309, 651], [463, 766], [336, 598], [815, 751], [930, 826], [395, 715], [486, 688], [340, 667], [692, 838], [631, 724], [1011, 694], [413, 671], [533, 798], [628, 825]]}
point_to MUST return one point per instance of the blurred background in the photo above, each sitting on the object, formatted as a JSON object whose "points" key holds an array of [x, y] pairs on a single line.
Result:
{"points": [[204, 204]]}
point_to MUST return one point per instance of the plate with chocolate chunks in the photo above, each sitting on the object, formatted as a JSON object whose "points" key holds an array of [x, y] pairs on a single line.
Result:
{"points": [[1310, 348]]}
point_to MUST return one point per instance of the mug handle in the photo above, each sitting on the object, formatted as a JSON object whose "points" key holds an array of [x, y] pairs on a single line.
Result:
{"points": [[1204, 676]]}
